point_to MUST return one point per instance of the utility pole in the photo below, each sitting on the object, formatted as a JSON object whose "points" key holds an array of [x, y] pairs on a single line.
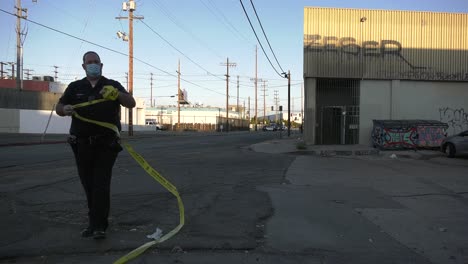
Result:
{"points": [[276, 100], [1, 69], [151, 93], [28, 73], [289, 103], [249, 108], [19, 44], [129, 6], [12, 70], [178, 96], [256, 80], [238, 94], [264, 101], [55, 71], [227, 64], [243, 110]]}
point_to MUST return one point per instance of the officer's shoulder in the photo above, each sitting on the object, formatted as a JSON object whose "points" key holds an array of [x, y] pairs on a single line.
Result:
{"points": [[111, 82], [76, 83]]}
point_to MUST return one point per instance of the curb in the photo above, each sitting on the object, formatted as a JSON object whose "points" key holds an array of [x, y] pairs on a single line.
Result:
{"points": [[333, 153], [32, 143]]}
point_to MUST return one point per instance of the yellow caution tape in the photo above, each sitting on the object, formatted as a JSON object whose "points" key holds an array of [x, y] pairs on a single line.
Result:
{"points": [[89, 103], [99, 123], [171, 188], [152, 172]]}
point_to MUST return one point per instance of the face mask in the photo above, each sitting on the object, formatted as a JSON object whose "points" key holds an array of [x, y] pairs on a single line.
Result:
{"points": [[93, 70]]}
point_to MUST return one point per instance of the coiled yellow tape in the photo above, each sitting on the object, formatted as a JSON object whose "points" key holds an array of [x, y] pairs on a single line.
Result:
{"points": [[152, 172]]}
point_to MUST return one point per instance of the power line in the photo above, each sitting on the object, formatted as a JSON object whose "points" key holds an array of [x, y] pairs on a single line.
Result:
{"points": [[64, 33], [223, 22], [183, 54], [182, 27], [112, 50], [253, 29], [253, 6]]}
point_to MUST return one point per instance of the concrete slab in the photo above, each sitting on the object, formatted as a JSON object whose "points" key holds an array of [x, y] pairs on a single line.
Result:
{"points": [[385, 176], [303, 222], [438, 235]]}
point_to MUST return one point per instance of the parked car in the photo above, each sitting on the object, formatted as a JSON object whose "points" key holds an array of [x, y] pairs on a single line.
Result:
{"points": [[456, 144]]}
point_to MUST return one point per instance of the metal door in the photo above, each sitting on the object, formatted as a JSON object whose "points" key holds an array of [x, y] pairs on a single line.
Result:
{"points": [[330, 125]]}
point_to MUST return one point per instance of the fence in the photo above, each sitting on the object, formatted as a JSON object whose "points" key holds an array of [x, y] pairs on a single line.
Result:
{"points": [[16, 99], [201, 123]]}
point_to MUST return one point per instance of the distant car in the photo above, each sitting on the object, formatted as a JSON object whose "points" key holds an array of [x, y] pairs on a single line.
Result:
{"points": [[157, 125], [455, 144], [270, 128], [160, 127]]}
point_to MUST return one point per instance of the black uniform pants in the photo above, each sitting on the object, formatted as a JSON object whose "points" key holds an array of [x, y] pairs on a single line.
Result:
{"points": [[94, 162]]}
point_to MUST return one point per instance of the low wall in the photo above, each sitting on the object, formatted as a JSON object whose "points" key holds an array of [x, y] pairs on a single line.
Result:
{"points": [[408, 134]]}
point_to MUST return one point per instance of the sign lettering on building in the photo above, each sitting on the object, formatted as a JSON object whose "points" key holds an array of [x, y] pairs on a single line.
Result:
{"points": [[378, 44]]}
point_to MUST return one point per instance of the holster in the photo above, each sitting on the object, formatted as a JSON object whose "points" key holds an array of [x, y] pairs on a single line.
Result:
{"points": [[112, 142]]}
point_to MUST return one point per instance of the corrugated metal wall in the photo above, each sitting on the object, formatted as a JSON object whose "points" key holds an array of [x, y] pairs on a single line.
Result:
{"points": [[15, 99], [382, 44]]}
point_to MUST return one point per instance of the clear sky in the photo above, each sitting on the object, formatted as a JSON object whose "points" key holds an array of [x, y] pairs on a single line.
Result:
{"points": [[202, 34]]}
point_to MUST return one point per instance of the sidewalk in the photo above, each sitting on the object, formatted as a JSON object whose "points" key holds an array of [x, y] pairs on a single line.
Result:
{"points": [[21, 139], [297, 146]]}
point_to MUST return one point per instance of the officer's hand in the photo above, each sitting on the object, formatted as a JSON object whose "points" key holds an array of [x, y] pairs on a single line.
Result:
{"points": [[68, 109], [109, 92]]}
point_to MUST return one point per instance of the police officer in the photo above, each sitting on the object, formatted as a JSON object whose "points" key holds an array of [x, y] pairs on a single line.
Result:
{"points": [[95, 147]]}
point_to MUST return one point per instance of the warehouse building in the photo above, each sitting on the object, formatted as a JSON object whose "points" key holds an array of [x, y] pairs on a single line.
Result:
{"points": [[365, 65]]}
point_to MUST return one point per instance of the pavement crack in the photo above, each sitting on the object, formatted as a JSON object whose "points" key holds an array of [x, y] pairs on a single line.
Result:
{"points": [[71, 179], [423, 194], [8, 166]]}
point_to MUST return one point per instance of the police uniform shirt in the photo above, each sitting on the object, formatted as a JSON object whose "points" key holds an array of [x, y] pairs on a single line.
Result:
{"points": [[108, 111]]}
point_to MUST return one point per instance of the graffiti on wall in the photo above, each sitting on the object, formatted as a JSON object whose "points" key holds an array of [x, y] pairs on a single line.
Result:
{"points": [[349, 46], [430, 136], [395, 138], [456, 119]]}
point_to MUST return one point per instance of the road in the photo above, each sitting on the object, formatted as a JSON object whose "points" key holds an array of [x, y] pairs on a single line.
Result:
{"points": [[216, 176], [241, 206]]}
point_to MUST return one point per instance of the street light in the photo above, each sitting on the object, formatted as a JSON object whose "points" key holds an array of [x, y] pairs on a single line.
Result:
{"points": [[122, 35], [161, 96]]}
